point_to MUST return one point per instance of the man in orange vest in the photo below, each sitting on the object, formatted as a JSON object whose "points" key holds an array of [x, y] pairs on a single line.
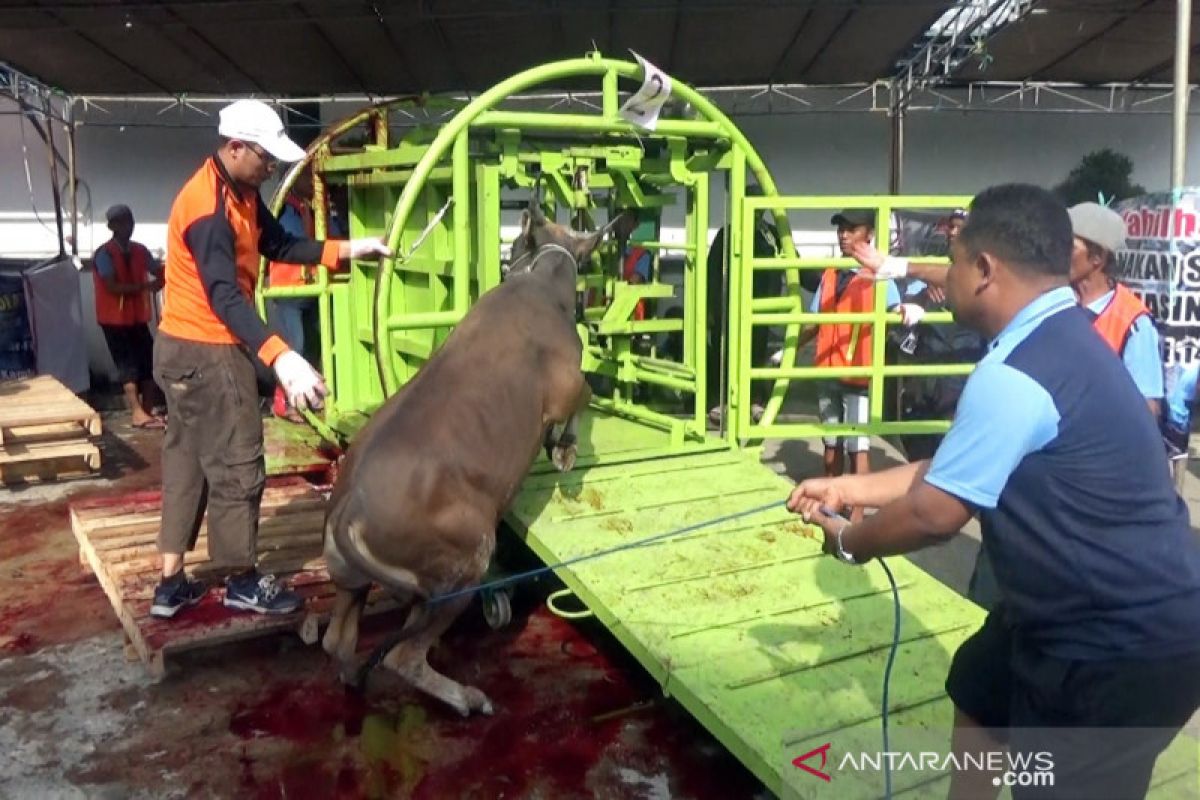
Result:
{"points": [[204, 359], [293, 316], [1122, 319], [636, 262], [845, 400], [125, 276]]}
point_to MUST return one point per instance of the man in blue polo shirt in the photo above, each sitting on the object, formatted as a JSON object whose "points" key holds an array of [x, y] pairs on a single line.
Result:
{"points": [[1098, 626]]}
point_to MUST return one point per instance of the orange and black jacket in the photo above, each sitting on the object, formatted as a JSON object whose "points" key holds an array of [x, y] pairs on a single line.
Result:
{"points": [[215, 235]]}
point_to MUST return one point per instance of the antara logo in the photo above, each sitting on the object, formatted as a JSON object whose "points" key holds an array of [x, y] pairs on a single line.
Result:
{"points": [[823, 751]]}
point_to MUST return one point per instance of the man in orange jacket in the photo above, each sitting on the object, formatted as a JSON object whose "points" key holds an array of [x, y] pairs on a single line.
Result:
{"points": [[1122, 319], [124, 277], [204, 355]]}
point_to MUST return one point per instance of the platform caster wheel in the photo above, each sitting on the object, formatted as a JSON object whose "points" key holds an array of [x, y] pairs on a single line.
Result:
{"points": [[497, 608]]}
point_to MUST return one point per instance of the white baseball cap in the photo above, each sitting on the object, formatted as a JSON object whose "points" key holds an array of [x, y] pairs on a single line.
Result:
{"points": [[255, 121]]}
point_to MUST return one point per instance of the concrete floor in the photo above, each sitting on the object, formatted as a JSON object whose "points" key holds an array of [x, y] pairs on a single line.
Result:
{"points": [[267, 719]]}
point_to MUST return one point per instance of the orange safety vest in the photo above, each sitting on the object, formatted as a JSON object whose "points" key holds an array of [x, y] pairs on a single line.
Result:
{"points": [[132, 267], [281, 274], [845, 344], [1116, 321], [628, 271]]}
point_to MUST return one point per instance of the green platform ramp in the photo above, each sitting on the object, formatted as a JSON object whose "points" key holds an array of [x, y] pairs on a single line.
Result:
{"points": [[774, 647]]}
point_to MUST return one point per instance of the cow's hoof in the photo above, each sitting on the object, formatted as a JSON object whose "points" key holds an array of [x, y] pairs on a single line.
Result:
{"points": [[478, 701], [564, 457]]}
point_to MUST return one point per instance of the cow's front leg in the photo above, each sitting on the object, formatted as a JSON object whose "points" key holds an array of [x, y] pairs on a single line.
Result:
{"points": [[566, 450]]}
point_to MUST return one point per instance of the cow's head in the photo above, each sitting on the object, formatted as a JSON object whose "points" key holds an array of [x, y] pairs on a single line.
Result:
{"points": [[544, 244]]}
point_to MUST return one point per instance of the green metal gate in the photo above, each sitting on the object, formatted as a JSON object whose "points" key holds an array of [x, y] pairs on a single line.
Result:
{"points": [[788, 311]]}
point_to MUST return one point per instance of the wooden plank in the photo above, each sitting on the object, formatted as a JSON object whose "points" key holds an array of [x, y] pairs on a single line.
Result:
{"points": [[55, 431], [124, 616], [42, 409], [42, 471], [47, 414], [101, 522], [39, 451], [144, 527], [278, 527]]}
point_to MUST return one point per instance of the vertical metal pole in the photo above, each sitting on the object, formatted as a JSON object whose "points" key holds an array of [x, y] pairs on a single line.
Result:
{"points": [[609, 96], [695, 292], [51, 152], [71, 178], [460, 166], [896, 173], [740, 241], [379, 125], [1183, 32]]}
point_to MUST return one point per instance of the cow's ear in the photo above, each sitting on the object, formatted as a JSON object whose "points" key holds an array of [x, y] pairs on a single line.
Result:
{"points": [[535, 204], [526, 222], [582, 245], [536, 214]]}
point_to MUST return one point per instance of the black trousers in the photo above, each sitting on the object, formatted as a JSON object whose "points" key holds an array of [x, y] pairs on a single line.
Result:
{"points": [[1103, 724]]}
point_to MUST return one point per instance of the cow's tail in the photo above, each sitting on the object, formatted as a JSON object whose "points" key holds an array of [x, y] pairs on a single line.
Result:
{"points": [[401, 583]]}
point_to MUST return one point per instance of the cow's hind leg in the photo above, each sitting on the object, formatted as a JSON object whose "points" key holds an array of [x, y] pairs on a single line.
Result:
{"points": [[341, 636], [410, 658]]}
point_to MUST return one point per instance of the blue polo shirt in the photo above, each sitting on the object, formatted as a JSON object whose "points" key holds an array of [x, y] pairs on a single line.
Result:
{"points": [[893, 296], [1142, 354], [1052, 444], [1178, 411]]}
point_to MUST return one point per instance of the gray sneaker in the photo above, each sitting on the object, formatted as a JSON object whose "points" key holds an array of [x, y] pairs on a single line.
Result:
{"points": [[261, 594], [171, 597]]}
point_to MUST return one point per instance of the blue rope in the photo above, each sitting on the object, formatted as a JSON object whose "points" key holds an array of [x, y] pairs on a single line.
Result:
{"points": [[533, 573], [891, 660], [887, 674], [381, 650]]}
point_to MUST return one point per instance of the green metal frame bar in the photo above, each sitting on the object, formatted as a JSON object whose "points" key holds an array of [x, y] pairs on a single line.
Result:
{"points": [[450, 143], [788, 311]]}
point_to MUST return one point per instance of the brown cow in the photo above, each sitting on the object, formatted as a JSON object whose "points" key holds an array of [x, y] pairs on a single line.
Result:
{"points": [[425, 483]]}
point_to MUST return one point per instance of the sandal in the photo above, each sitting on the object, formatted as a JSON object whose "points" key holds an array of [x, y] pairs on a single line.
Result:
{"points": [[152, 424]]}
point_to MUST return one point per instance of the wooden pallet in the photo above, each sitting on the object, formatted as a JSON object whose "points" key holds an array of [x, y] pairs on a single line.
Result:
{"points": [[116, 538], [42, 409], [46, 432]]}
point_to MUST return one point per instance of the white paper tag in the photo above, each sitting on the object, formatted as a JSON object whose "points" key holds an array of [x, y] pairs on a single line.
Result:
{"points": [[643, 108]]}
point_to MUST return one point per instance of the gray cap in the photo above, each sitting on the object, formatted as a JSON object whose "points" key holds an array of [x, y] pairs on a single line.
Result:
{"points": [[118, 211], [854, 217], [1099, 225]]}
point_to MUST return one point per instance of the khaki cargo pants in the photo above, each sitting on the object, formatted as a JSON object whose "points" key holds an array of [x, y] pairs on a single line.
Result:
{"points": [[212, 450]]}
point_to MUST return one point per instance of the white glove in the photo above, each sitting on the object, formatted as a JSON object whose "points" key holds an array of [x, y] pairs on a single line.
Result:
{"points": [[891, 268], [911, 314], [301, 383], [374, 246]]}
